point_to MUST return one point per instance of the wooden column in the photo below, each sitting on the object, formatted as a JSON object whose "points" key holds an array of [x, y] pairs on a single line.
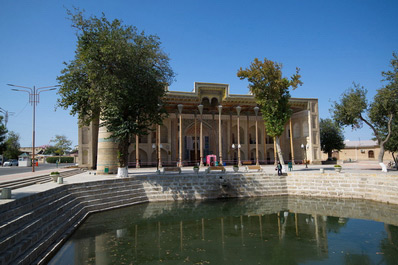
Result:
{"points": [[275, 155], [248, 138], [238, 111], [176, 135], [180, 106], [219, 133], [159, 149], [291, 141], [265, 144], [195, 142], [256, 112], [200, 107], [180, 144], [231, 155], [137, 151]]}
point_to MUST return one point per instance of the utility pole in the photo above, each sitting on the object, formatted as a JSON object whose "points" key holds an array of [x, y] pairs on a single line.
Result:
{"points": [[6, 115]]}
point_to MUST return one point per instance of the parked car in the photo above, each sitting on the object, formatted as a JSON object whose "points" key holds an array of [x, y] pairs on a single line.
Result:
{"points": [[12, 162]]}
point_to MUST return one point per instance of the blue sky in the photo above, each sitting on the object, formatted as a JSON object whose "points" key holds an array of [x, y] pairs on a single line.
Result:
{"points": [[333, 42]]}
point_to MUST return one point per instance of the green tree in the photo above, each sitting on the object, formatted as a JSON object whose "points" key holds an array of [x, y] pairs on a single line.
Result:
{"points": [[12, 146], [3, 134], [332, 137], [49, 150], [353, 109], [61, 145], [119, 76], [271, 92]]}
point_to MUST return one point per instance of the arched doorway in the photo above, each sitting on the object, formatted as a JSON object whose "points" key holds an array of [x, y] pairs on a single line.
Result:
{"points": [[143, 158]]}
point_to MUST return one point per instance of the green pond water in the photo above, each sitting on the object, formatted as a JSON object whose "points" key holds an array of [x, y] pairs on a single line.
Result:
{"points": [[269, 230]]}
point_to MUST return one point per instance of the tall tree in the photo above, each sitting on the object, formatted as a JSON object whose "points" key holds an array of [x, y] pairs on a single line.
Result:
{"points": [[61, 144], [353, 109], [3, 134], [12, 146], [272, 95], [118, 75], [332, 137]]}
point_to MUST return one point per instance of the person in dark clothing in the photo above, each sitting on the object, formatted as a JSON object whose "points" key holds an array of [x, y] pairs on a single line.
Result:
{"points": [[279, 167]]}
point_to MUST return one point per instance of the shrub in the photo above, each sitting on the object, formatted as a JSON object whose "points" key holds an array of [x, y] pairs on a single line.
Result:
{"points": [[63, 159]]}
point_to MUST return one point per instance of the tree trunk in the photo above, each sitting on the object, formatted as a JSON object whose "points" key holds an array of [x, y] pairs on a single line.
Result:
{"points": [[280, 155], [381, 142], [123, 158], [380, 158], [395, 158], [330, 153]]}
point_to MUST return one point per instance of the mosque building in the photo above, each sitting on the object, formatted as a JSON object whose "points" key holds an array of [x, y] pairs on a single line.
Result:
{"points": [[205, 123]]}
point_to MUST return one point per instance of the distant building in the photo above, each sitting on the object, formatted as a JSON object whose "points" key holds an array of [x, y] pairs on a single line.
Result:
{"points": [[364, 150], [28, 150]]}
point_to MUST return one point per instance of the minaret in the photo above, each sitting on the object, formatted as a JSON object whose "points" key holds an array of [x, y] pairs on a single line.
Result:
{"points": [[107, 152]]}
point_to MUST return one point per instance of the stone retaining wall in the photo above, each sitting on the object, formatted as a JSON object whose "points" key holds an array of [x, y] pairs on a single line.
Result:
{"points": [[376, 187]]}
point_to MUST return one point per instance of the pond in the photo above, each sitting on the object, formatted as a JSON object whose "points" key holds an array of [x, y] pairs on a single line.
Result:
{"points": [[268, 230]]}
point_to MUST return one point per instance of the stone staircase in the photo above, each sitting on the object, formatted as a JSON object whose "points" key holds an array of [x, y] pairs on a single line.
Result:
{"points": [[40, 179], [33, 226]]}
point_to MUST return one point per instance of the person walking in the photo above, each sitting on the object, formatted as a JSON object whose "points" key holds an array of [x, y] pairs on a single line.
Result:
{"points": [[279, 167]]}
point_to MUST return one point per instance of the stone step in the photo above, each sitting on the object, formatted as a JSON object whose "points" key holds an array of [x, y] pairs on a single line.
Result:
{"points": [[59, 210], [30, 215], [17, 207], [34, 244], [100, 190], [99, 206], [98, 185], [36, 226]]}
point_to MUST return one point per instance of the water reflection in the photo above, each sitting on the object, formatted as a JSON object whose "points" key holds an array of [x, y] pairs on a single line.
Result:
{"points": [[270, 230]]}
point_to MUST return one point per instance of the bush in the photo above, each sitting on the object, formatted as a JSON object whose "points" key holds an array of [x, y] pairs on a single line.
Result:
{"points": [[63, 159]]}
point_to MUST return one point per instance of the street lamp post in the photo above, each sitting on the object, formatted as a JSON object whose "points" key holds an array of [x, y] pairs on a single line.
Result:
{"points": [[238, 146], [157, 147], [34, 98], [305, 147]]}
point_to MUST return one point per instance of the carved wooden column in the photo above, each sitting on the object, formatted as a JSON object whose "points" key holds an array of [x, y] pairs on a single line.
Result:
{"points": [[230, 137], [291, 141], [195, 142], [265, 144], [180, 106], [200, 107], [247, 137], [256, 112], [219, 133], [159, 148], [238, 109], [137, 151]]}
